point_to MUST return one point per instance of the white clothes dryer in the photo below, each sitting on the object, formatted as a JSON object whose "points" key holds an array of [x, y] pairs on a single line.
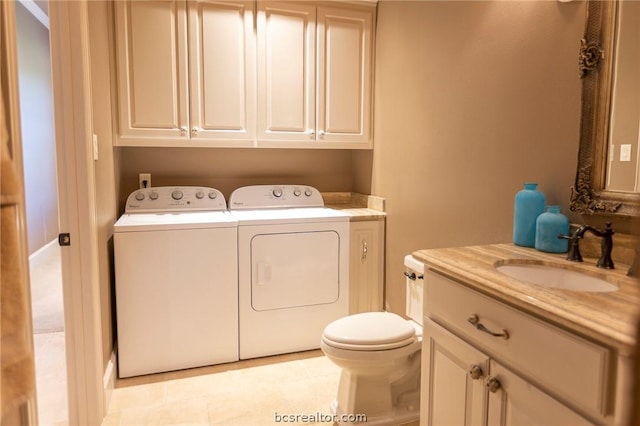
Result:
{"points": [[293, 267], [176, 280]]}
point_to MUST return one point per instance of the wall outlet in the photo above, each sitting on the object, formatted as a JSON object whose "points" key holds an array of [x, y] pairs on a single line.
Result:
{"points": [[144, 180]]}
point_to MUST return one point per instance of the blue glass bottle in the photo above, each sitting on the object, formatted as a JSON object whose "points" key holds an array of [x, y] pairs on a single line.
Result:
{"points": [[548, 225], [529, 204]]}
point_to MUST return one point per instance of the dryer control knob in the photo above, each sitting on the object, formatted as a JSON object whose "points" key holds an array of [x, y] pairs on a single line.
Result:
{"points": [[213, 195], [297, 192], [199, 195], [307, 192], [139, 196], [177, 194], [277, 192], [153, 195]]}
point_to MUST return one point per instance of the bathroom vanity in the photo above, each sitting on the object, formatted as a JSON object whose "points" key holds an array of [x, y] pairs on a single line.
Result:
{"points": [[498, 350]]}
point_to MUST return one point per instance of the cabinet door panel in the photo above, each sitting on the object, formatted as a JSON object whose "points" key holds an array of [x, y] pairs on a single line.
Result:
{"points": [[450, 395], [366, 267], [152, 80], [344, 75], [222, 69], [519, 403], [286, 77]]}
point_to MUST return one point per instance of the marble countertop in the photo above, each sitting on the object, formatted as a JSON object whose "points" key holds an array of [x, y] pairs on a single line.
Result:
{"points": [[359, 207], [608, 318]]}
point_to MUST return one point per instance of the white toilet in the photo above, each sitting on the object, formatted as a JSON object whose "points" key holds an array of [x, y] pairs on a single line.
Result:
{"points": [[379, 353]]}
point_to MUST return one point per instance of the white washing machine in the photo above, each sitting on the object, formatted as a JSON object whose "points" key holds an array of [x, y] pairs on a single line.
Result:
{"points": [[293, 267], [176, 280]]}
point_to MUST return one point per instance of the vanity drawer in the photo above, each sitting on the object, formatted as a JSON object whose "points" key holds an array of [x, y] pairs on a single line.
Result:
{"points": [[572, 368]]}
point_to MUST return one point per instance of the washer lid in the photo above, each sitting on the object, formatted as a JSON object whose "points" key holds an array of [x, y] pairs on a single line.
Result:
{"points": [[370, 331], [131, 222]]}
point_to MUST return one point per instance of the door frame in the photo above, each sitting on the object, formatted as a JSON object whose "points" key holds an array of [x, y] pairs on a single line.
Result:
{"points": [[69, 38]]}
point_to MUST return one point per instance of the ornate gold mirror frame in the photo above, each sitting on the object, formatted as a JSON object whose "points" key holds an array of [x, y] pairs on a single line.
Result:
{"points": [[596, 60]]}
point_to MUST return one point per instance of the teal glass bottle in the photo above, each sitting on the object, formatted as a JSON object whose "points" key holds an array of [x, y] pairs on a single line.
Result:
{"points": [[548, 225], [529, 204]]}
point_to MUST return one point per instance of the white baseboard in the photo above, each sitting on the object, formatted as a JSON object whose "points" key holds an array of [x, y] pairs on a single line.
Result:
{"points": [[109, 379]]}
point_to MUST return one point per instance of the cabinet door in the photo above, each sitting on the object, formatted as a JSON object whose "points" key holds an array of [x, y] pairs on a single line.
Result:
{"points": [[222, 70], [453, 373], [344, 76], [514, 401], [286, 72], [366, 267], [151, 43]]}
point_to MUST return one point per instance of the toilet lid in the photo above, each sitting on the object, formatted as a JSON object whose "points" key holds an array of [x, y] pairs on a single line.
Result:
{"points": [[369, 331]]}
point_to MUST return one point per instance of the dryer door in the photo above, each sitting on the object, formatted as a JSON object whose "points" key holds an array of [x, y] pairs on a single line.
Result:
{"points": [[294, 269]]}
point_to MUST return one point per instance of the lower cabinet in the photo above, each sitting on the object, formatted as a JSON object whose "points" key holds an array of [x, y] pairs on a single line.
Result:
{"points": [[366, 273], [488, 363], [463, 386]]}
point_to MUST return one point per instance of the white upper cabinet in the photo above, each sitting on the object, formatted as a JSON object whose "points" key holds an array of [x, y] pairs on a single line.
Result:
{"points": [[314, 75], [222, 70], [152, 69], [216, 73], [186, 73]]}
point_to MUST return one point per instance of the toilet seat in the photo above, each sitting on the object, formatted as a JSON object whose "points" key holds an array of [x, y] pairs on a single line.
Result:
{"points": [[369, 331]]}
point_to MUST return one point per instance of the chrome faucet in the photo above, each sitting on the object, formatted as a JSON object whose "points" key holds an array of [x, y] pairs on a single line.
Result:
{"points": [[606, 245]]}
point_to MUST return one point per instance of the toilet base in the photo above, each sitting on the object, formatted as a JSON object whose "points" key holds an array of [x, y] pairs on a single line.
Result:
{"points": [[398, 416]]}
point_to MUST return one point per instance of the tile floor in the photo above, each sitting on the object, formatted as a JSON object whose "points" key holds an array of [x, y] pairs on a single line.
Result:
{"points": [[248, 393]]}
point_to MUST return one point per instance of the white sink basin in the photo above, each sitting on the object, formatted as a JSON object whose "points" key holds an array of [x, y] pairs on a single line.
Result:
{"points": [[555, 277]]}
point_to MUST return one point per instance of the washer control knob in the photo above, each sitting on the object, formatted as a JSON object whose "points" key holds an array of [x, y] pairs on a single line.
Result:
{"points": [[277, 192], [153, 195], [297, 192], [213, 195], [307, 192], [199, 195], [139, 196], [177, 195]]}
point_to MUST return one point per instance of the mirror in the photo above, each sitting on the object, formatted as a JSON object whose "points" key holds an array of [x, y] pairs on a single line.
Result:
{"points": [[599, 186]]}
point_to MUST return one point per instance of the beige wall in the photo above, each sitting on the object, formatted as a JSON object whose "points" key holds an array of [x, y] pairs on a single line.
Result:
{"points": [[472, 99], [104, 166], [228, 169], [38, 143]]}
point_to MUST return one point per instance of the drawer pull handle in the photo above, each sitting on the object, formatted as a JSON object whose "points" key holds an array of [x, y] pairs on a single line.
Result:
{"points": [[475, 321], [493, 384], [475, 372]]}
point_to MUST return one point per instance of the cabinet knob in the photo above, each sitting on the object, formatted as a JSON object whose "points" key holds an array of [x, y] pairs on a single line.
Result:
{"points": [[475, 372], [493, 384], [195, 130], [365, 250], [183, 130], [321, 133]]}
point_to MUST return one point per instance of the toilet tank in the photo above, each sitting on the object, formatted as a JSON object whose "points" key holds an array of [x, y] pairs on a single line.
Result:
{"points": [[414, 276]]}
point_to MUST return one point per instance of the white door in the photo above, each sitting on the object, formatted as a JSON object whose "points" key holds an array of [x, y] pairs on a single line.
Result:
{"points": [[344, 75], [151, 46], [453, 373], [222, 70], [286, 72], [513, 401]]}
